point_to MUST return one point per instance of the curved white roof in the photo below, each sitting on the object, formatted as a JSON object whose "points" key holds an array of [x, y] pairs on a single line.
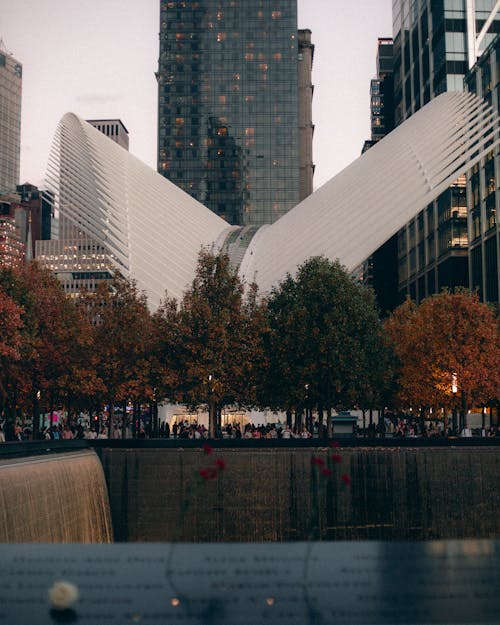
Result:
{"points": [[153, 231], [359, 209]]}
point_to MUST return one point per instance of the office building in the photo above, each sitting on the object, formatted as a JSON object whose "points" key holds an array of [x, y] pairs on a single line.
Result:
{"points": [[12, 245], [483, 192], [25, 217], [112, 128], [234, 106], [11, 75], [380, 270], [434, 44]]}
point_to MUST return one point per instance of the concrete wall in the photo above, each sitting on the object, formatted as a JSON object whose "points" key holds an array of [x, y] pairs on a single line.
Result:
{"points": [[277, 494]]}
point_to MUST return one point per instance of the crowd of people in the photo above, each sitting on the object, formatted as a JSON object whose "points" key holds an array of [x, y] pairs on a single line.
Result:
{"points": [[394, 427]]}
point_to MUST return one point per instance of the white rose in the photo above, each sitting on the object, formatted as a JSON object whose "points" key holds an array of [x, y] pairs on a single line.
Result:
{"points": [[62, 595]]}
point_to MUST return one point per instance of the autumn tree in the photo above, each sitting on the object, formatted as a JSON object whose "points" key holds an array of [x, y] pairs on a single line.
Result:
{"points": [[55, 342], [10, 327], [447, 346], [166, 345], [326, 346], [10, 339], [122, 342]]}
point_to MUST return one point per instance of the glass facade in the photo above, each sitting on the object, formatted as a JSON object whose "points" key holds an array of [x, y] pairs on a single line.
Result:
{"points": [[228, 125], [483, 186], [11, 72], [431, 57]]}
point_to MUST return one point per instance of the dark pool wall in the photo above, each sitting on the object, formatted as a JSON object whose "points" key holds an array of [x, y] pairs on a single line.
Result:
{"points": [[278, 494], [60, 498]]}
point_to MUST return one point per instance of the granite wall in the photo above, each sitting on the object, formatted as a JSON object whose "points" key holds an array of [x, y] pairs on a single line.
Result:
{"points": [[279, 494]]}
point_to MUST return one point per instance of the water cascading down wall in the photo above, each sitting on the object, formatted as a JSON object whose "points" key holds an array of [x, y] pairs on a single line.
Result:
{"points": [[59, 498], [263, 494], [278, 494]]}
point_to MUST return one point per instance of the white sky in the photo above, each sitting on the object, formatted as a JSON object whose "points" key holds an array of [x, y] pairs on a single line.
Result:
{"points": [[97, 58]]}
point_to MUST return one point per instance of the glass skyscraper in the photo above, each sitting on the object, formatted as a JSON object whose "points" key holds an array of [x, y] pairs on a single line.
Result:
{"points": [[11, 73], [432, 50], [484, 193], [228, 105]]}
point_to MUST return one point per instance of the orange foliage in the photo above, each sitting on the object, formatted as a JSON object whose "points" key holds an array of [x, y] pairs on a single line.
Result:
{"points": [[450, 337]]}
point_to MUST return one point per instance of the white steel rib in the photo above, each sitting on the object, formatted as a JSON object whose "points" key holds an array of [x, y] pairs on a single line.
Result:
{"points": [[153, 231], [359, 209]]}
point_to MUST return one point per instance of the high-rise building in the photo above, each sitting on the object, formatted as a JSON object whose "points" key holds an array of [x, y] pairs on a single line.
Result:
{"points": [[112, 128], [25, 217], [435, 41], [380, 270], [231, 130], [11, 73], [483, 193]]}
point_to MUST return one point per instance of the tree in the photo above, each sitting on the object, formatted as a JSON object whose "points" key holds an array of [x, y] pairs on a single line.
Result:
{"points": [[55, 343], [122, 342], [326, 342], [10, 340], [166, 345], [10, 328], [450, 340], [219, 343]]}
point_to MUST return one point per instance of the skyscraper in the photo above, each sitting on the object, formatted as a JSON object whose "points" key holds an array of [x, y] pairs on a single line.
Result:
{"points": [[484, 193], [112, 128], [380, 270], [11, 73], [435, 41], [228, 105]]}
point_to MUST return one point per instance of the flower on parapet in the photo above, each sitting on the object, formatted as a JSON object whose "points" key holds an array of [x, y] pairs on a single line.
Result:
{"points": [[208, 449], [346, 479], [208, 474], [220, 463], [334, 444], [336, 457], [318, 461]]}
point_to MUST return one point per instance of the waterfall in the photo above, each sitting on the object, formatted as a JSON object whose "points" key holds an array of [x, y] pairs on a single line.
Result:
{"points": [[60, 498]]}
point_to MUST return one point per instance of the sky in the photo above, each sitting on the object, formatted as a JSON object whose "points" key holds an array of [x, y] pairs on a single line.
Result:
{"points": [[97, 59]]}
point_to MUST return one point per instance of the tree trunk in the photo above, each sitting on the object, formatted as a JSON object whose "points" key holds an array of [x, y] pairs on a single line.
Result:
{"points": [[68, 399], [212, 418], [36, 414], [463, 412], [329, 422], [320, 420]]}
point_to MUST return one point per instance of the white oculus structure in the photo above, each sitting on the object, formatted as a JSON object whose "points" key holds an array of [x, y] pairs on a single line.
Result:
{"points": [[152, 231]]}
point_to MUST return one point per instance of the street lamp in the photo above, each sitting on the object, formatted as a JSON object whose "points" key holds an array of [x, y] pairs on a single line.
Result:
{"points": [[454, 389], [306, 387], [212, 407]]}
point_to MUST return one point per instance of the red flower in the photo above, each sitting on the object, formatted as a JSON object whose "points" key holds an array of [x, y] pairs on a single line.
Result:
{"points": [[319, 461], [208, 474], [208, 449], [346, 479], [334, 444], [220, 463], [336, 457], [326, 472]]}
